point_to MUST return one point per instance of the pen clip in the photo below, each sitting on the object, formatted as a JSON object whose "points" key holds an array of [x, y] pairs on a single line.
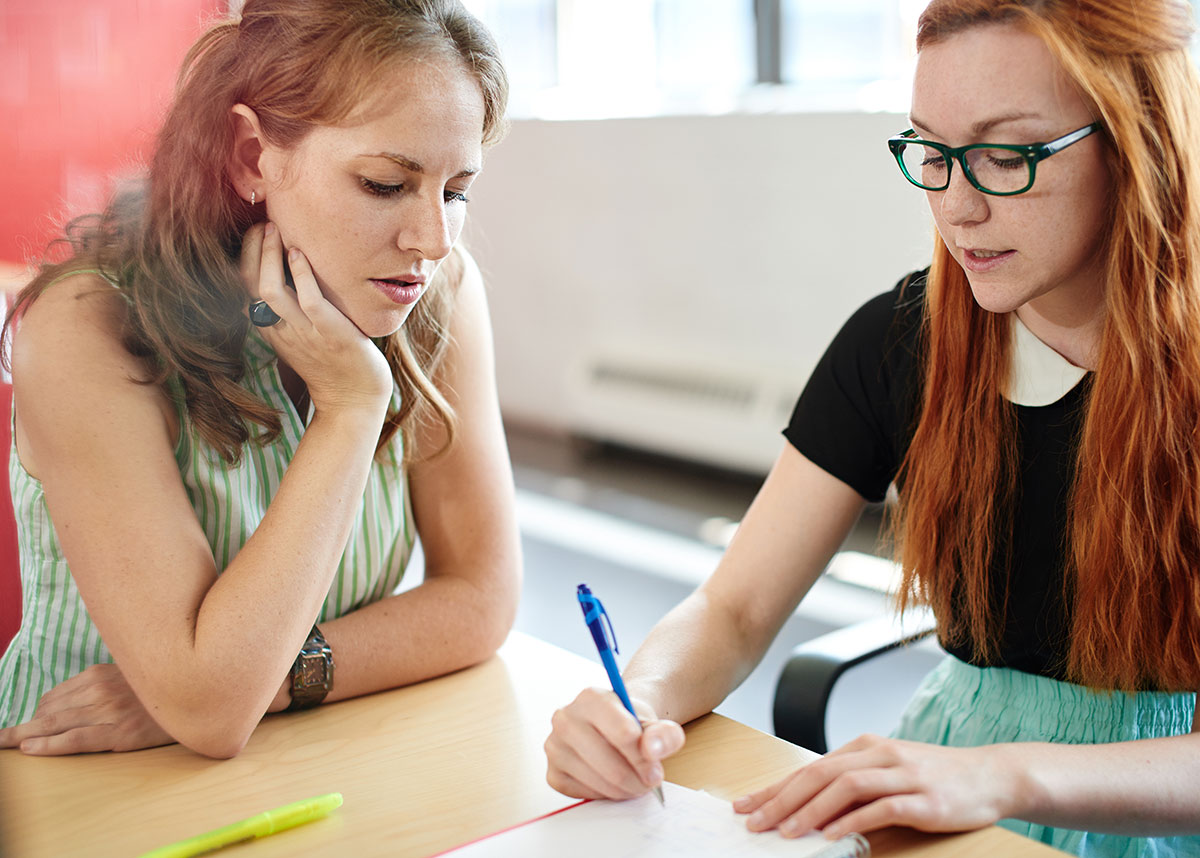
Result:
{"points": [[594, 611]]}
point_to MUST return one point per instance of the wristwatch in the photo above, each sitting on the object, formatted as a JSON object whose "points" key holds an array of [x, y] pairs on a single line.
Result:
{"points": [[312, 672]]}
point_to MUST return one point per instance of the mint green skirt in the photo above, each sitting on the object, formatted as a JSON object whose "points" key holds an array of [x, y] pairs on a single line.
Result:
{"points": [[963, 706]]}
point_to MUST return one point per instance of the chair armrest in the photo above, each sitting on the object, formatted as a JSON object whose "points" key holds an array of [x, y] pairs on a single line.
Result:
{"points": [[808, 677]]}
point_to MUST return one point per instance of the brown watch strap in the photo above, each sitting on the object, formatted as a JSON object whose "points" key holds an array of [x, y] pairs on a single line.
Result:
{"points": [[312, 672]]}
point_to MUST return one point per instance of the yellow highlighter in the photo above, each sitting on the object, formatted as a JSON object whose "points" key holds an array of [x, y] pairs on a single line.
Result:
{"points": [[261, 825]]}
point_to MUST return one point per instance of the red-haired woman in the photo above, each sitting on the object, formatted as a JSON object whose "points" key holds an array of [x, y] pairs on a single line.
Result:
{"points": [[213, 514], [1035, 397]]}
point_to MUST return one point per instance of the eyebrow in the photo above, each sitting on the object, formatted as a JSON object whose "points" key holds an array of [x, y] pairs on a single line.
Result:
{"points": [[415, 166], [984, 125]]}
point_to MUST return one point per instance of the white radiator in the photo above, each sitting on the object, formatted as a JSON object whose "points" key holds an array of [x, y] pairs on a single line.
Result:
{"points": [[724, 416], [670, 283]]}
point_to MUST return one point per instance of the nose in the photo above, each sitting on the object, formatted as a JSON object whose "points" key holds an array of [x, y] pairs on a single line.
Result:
{"points": [[427, 228], [961, 202]]}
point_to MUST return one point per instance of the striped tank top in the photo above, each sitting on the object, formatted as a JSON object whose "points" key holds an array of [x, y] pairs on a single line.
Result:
{"points": [[57, 639]]}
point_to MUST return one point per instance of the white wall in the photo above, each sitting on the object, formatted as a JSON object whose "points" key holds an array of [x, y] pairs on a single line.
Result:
{"points": [[670, 282]]}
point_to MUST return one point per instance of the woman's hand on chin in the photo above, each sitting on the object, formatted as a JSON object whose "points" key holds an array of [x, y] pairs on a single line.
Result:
{"points": [[342, 368]]}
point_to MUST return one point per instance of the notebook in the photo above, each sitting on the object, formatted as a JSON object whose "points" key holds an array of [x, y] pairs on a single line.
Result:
{"points": [[693, 824]]}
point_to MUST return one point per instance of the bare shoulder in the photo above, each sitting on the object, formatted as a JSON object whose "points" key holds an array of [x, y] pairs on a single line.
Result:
{"points": [[470, 275], [472, 279], [470, 301], [71, 325], [71, 366], [469, 325]]}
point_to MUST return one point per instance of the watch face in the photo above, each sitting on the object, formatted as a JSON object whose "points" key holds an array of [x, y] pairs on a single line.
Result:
{"points": [[313, 671]]}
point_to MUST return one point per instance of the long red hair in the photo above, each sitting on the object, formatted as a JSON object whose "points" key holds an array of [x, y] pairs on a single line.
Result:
{"points": [[1133, 546]]}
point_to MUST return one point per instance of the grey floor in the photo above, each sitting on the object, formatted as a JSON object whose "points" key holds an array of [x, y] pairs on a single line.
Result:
{"points": [[676, 511]]}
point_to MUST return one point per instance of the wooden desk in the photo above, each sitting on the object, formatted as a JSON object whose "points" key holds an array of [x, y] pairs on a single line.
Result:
{"points": [[422, 769]]}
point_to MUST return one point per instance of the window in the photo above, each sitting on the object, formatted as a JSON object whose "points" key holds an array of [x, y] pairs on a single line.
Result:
{"points": [[526, 31], [607, 58], [589, 59], [593, 59], [853, 53]]}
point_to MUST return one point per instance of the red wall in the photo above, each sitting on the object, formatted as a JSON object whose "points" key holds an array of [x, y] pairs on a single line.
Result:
{"points": [[83, 86], [10, 580]]}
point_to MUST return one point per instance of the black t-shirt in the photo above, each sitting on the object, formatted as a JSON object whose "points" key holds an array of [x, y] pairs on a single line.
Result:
{"points": [[856, 417]]}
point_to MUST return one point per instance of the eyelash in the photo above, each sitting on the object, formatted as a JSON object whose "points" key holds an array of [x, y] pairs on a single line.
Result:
{"points": [[380, 189]]}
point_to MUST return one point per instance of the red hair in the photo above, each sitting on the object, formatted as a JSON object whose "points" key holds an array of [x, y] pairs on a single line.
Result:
{"points": [[1133, 547]]}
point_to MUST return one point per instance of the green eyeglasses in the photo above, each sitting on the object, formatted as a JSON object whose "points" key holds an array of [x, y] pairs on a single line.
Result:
{"points": [[993, 168]]}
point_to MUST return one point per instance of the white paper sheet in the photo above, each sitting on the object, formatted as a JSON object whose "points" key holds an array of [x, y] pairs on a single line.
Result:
{"points": [[692, 824]]}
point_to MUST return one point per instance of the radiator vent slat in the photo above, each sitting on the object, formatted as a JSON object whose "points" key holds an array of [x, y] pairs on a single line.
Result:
{"points": [[726, 392]]}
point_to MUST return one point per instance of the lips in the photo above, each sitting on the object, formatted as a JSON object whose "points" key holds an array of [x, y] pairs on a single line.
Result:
{"points": [[982, 259], [400, 291]]}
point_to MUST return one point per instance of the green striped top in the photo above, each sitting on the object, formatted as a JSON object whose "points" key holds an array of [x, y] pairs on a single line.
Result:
{"points": [[57, 638]]}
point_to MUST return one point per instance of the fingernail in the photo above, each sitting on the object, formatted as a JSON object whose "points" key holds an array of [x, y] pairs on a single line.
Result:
{"points": [[756, 819], [269, 229], [655, 746], [293, 255], [742, 802], [790, 829]]}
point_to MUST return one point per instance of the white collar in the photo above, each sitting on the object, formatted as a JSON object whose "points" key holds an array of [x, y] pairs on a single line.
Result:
{"points": [[1040, 375]]}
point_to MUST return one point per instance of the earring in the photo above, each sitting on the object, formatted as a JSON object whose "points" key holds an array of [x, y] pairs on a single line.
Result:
{"points": [[252, 198]]}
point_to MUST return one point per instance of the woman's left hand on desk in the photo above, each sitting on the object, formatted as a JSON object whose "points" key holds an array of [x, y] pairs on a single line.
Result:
{"points": [[873, 783], [95, 710]]}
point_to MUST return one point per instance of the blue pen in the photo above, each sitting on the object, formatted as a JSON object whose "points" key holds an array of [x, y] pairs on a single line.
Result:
{"points": [[593, 614]]}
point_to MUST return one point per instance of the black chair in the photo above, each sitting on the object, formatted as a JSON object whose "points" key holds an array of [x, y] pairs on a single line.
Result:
{"points": [[808, 677]]}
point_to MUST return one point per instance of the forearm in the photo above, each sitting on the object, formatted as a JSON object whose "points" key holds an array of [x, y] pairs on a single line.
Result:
{"points": [[692, 659], [710, 642], [707, 645], [443, 625], [1139, 788], [221, 669], [461, 490]]}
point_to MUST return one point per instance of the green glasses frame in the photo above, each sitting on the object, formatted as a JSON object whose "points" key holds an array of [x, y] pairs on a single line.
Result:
{"points": [[1032, 153]]}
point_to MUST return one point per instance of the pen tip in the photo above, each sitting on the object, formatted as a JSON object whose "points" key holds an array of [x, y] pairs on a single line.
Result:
{"points": [[658, 792]]}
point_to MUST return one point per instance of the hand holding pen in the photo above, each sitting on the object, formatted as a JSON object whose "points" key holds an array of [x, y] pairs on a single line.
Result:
{"points": [[595, 616]]}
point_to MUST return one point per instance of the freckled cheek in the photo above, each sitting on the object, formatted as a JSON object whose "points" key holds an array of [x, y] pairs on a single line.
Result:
{"points": [[373, 229], [1091, 189], [1084, 223], [306, 221]]}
